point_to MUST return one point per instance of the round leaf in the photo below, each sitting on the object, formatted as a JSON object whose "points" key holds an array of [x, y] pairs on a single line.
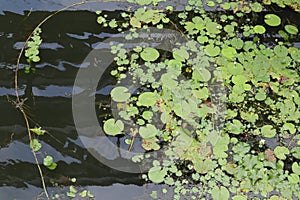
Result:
{"points": [[156, 174], [113, 127], [291, 29], [148, 132], [259, 29], [120, 94], [272, 20], [147, 99], [268, 131], [229, 52], [149, 54]]}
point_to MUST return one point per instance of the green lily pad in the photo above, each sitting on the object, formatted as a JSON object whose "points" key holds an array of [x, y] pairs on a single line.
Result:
{"points": [[236, 127], [149, 54], [268, 131], [143, 2], [147, 132], [291, 29], [147, 99], [293, 178], [147, 115], [212, 50], [296, 152], [259, 29], [272, 20], [296, 168], [180, 54], [290, 127], [156, 174], [202, 75], [229, 52], [220, 193], [213, 28], [120, 94], [239, 197], [113, 127], [239, 79], [280, 152]]}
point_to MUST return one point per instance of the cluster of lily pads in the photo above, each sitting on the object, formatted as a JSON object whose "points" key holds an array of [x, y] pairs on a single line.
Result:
{"points": [[224, 106]]}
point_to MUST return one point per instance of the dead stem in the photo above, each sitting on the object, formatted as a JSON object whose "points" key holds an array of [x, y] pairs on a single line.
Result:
{"points": [[19, 102]]}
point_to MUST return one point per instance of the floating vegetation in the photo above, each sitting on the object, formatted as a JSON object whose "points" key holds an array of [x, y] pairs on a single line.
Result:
{"points": [[241, 141]]}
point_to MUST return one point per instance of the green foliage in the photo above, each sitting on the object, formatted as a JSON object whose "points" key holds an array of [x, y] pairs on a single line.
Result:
{"points": [[177, 110], [113, 127], [149, 54], [32, 52], [49, 162], [272, 20], [38, 131]]}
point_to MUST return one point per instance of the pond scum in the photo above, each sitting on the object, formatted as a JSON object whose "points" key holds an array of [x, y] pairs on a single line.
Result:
{"points": [[244, 144]]}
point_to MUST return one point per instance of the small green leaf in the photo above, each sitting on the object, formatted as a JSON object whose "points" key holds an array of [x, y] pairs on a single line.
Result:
{"points": [[35, 145], [280, 152], [38, 131], [229, 52], [149, 54], [291, 29], [147, 99], [294, 178], [272, 20], [220, 193], [296, 168], [120, 94], [212, 50], [149, 131], [296, 152], [156, 174], [259, 29], [180, 54], [49, 163], [268, 131], [113, 127]]}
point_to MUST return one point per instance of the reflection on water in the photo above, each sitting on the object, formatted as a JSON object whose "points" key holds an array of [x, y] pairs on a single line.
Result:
{"points": [[67, 39]]}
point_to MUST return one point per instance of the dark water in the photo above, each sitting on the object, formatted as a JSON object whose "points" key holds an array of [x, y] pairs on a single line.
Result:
{"points": [[67, 39]]}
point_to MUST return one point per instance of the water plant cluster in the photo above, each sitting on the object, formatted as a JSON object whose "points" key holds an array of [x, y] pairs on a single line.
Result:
{"points": [[224, 107]]}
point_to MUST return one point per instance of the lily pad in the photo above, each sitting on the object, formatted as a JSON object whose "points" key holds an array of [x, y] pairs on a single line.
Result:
{"points": [[229, 52], [156, 174], [280, 152], [212, 50], [201, 75], [272, 20], [113, 127], [296, 168], [120, 94], [181, 54], [149, 54], [291, 29], [268, 131], [259, 29], [220, 193], [147, 99], [143, 2], [147, 132]]}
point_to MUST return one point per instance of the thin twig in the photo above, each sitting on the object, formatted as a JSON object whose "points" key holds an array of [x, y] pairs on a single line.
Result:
{"points": [[19, 101]]}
